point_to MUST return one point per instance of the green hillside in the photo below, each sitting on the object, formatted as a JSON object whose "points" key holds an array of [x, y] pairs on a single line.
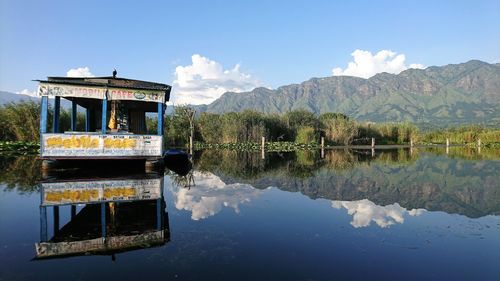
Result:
{"points": [[437, 96]]}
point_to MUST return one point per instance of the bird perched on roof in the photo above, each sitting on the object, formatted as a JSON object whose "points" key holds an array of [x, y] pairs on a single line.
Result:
{"points": [[114, 73]]}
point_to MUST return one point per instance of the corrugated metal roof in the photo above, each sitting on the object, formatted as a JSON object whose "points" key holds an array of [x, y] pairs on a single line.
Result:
{"points": [[109, 81]]}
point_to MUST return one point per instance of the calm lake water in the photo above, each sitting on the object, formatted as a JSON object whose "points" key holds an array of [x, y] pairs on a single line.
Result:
{"points": [[351, 215]]}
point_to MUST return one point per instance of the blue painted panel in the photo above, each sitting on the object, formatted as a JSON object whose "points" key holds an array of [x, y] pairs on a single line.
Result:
{"points": [[43, 224], [104, 116], [160, 118], [43, 114]]}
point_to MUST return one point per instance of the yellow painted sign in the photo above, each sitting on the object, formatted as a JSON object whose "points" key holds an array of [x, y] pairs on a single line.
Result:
{"points": [[80, 145], [83, 192]]}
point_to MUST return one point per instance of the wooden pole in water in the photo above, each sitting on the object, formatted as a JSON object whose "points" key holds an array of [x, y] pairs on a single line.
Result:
{"points": [[411, 142], [263, 146], [322, 147], [373, 142], [447, 142], [479, 146]]}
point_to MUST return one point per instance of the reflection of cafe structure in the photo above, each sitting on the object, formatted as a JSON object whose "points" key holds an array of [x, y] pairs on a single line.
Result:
{"points": [[115, 119], [107, 216]]}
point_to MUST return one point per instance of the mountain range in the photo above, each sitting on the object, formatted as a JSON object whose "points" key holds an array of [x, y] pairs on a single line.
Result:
{"points": [[439, 96]]}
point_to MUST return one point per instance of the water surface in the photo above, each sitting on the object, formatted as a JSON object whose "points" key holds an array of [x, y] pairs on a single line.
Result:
{"points": [[349, 215]]}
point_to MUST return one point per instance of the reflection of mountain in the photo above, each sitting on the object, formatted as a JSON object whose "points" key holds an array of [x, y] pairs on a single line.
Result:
{"points": [[365, 211], [426, 181], [119, 214], [210, 195]]}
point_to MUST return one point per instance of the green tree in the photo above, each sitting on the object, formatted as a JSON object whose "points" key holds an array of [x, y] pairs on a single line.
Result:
{"points": [[338, 128]]}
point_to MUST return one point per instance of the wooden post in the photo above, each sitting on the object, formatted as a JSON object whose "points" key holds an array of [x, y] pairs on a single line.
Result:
{"points": [[57, 110], [263, 148], [447, 142], [322, 147], [373, 152], [73, 115], [478, 142], [411, 142], [373, 142]]}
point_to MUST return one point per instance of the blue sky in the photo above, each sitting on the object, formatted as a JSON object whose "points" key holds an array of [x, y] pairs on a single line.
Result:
{"points": [[239, 44]]}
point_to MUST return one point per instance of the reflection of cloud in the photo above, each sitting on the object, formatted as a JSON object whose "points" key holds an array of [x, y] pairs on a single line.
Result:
{"points": [[364, 211], [210, 194]]}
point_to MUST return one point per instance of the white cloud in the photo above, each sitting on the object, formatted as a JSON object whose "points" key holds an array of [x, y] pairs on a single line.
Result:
{"points": [[28, 93], [79, 72], [364, 211], [366, 64], [205, 80], [210, 195]]}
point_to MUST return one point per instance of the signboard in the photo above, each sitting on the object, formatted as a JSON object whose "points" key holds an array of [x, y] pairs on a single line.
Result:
{"points": [[60, 90], [96, 245], [137, 95], [57, 90], [86, 192], [97, 145]]}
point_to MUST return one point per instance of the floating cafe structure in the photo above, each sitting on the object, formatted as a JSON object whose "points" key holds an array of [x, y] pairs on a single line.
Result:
{"points": [[115, 119]]}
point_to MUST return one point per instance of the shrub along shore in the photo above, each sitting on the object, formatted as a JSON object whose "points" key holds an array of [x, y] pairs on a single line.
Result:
{"points": [[294, 130]]}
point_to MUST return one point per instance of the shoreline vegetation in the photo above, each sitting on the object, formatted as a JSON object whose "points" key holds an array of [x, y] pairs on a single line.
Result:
{"points": [[294, 130]]}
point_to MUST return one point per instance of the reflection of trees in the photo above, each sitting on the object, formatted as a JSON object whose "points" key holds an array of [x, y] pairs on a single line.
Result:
{"points": [[21, 173], [186, 181], [239, 164], [298, 164], [414, 180]]}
